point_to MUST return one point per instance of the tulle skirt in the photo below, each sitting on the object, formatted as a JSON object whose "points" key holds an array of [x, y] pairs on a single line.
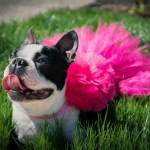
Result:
{"points": [[108, 62]]}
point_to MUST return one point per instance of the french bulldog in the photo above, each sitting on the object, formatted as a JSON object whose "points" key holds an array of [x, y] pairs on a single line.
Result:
{"points": [[35, 83]]}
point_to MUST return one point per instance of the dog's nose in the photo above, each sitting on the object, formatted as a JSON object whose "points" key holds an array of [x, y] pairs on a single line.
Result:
{"points": [[17, 65], [19, 62]]}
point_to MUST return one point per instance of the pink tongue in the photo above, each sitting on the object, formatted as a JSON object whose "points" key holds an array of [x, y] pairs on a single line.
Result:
{"points": [[12, 82]]}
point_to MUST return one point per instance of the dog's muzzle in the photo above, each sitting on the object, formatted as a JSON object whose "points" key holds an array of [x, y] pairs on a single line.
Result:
{"points": [[19, 92], [17, 66]]}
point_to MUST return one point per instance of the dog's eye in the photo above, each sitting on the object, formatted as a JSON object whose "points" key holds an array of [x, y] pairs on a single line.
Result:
{"points": [[42, 61], [11, 56]]}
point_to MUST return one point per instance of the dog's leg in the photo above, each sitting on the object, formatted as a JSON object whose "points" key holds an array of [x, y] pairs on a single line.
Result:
{"points": [[70, 124]]}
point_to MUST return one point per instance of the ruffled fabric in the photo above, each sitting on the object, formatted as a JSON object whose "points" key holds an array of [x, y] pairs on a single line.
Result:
{"points": [[90, 82], [108, 62]]}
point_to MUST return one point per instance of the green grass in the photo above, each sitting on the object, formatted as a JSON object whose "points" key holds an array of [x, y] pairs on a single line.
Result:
{"points": [[127, 123]]}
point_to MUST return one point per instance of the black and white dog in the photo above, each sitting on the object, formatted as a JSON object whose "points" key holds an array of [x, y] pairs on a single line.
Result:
{"points": [[35, 82]]}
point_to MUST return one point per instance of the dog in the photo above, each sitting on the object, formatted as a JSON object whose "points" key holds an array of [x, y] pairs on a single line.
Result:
{"points": [[35, 83], [44, 84]]}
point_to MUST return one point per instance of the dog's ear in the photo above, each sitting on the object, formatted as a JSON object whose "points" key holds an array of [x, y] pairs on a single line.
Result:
{"points": [[68, 45], [30, 38]]}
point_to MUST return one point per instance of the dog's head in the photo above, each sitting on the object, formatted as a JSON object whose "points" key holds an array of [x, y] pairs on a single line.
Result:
{"points": [[37, 72]]}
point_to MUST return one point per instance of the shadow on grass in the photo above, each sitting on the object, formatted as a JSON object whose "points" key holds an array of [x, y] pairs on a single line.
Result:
{"points": [[14, 143]]}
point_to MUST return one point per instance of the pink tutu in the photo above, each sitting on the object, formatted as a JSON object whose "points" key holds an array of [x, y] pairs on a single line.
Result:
{"points": [[108, 62]]}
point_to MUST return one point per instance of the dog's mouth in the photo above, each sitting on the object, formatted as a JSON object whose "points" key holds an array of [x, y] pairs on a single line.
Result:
{"points": [[18, 91]]}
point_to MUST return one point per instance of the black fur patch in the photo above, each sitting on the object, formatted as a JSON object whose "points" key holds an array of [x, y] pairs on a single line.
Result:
{"points": [[56, 67]]}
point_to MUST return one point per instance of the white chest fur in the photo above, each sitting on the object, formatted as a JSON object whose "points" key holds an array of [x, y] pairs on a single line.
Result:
{"points": [[25, 126]]}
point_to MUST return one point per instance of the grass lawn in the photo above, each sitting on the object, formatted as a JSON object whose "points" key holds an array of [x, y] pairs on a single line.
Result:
{"points": [[127, 121]]}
